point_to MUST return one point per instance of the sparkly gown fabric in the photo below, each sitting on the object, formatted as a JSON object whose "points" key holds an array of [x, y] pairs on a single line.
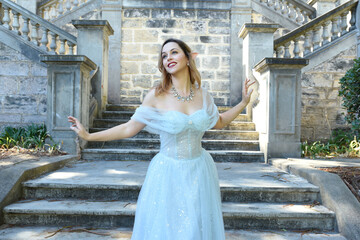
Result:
{"points": [[180, 197]]}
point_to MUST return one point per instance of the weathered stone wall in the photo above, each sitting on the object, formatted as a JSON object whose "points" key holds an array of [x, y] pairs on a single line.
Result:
{"points": [[23, 89], [321, 106], [144, 30]]}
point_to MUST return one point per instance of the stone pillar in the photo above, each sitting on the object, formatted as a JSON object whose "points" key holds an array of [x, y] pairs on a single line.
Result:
{"points": [[280, 106], [93, 41], [258, 43], [240, 14], [112, 11], [68, 94]]}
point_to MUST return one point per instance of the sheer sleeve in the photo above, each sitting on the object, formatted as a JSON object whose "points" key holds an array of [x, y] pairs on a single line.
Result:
{"points": [[154, 119], [211, 109]]}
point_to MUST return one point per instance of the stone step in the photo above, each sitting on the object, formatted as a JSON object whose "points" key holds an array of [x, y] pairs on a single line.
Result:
{"points": [[210, 134], [151, 143], [40, 233], [148, 154], [133, 107], [235, 125], [121, 214], [122, 180], [126, 115]]}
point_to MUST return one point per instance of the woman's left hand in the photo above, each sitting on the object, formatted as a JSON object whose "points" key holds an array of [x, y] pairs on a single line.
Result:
{"points": [[246, 93]]}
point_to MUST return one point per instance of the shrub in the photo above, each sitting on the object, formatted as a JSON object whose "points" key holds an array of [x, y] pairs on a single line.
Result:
{"points": [[341, 144], [350, 93], [30, 137]]}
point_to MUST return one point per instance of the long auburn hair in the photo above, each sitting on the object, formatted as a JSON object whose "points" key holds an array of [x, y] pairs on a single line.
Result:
{"points": [[166, 81]]}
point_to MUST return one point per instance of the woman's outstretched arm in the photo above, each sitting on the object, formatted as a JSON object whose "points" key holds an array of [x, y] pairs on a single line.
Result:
{"points": [[125, 130], [226, 117]]}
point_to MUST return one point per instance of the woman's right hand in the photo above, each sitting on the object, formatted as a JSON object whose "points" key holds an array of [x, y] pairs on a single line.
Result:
{"points": [[78, 127]]}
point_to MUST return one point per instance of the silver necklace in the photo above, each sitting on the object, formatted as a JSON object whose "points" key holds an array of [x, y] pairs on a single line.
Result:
{"points": [[181, 98]]}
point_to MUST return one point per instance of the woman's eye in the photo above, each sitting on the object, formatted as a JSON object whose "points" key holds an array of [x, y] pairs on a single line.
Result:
{"points": [[174, 52], [164, 56]]}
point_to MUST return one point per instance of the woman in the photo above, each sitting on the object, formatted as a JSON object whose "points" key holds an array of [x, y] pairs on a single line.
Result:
{"points": [[180, 197]]}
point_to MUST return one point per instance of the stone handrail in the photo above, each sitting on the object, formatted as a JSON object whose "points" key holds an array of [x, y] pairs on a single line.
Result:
{"points": [[35, 29], [317, 33], [295, 10], [51, 9]]}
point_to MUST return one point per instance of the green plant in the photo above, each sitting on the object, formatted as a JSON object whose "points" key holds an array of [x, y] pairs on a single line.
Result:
{"points": [[350, 92], [12, 137], [342, 143], [31, 137], [35, 136]]}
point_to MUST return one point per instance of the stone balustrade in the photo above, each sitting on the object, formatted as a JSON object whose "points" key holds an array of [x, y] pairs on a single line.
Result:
{"points": [[295, 10], [36, 30], [52, 9], [317, 33]]}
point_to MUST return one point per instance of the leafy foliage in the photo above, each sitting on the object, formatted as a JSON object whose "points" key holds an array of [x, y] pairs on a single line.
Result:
{"points": [[350, 93], [342, 144], [30, 137]]}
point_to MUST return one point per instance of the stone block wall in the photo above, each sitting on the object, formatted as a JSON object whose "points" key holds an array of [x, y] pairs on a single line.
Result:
{"points": [[321, 106], [23, 89], [143, 32]]}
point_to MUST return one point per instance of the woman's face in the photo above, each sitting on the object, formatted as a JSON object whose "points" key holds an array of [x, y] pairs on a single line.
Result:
{"points": [[174, 58]]}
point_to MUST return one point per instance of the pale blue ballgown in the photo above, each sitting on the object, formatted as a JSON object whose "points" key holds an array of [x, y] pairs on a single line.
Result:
{"points": [[180, 198]]}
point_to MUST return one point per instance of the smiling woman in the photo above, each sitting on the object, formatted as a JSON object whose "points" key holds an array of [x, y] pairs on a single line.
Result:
{"points": [[180, 197]]}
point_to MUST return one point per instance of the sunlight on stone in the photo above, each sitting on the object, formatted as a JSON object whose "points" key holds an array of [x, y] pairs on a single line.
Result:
{"points": [[113, 171], [64, 175], [26, 234], [3, 163]]}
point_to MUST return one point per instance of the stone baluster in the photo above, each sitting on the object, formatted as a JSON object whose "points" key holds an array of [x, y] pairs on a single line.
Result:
{"points": [[6, 18], [284, 9], [25, 29], [325, 34], [62, 46], [44, 40], [296, 48], [76, 3], [47, 13], [34, 33], [292, 13], [71, 48], [306, 17], [279, 52], [61, 7], [299, 17], [16, 24], [352, 19], [307, 43], [334, 29], [287, 50], [316, 37], [68, 5], [344, 24], [270, 3], [53, 37], [277, 5]]}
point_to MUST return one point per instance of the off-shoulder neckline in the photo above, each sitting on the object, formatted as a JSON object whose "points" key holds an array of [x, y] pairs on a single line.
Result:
{"points": [[166, 110]]}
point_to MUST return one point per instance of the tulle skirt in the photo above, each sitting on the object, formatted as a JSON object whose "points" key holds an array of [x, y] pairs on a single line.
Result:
{"points": [[180, 200]]}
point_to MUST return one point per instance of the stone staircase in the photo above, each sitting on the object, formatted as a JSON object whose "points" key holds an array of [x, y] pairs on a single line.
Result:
{"points": [[102, 194], [236, 143], [94, 193]]}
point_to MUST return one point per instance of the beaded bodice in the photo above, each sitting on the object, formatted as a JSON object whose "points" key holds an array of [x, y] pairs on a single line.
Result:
{"points": [[180, 134]]}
